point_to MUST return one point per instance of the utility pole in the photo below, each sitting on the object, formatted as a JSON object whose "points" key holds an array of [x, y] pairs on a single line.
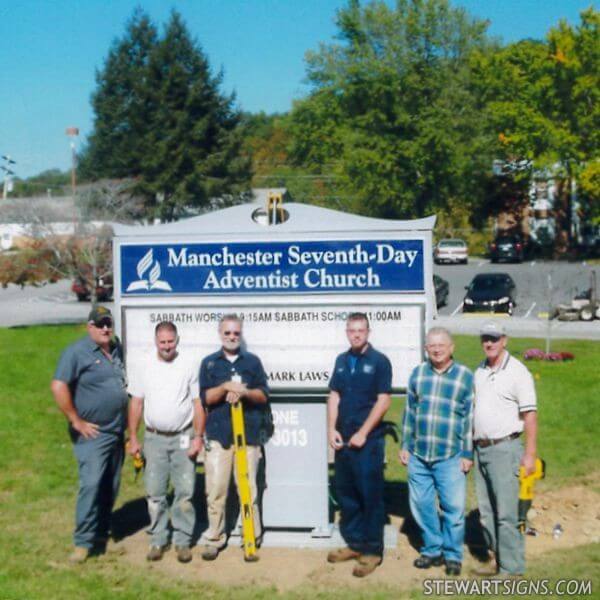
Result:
{"points": [[72, 133], [7, 187]]}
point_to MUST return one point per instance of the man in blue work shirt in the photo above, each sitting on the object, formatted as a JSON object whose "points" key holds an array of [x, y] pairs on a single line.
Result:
{"points": [[359, 397], [437, 446], [228, 376], [89, 388]]}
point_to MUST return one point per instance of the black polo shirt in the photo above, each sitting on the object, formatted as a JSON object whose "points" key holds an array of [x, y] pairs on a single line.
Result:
{"points": [[217, 369], [97, 384], [359, 379]]}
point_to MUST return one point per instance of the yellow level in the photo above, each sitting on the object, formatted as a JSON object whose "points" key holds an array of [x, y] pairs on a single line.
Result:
{"points": [[243, 480]]}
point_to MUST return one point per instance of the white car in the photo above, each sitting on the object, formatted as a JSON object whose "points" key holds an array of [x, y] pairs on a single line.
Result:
{"points": [[451, 251]]}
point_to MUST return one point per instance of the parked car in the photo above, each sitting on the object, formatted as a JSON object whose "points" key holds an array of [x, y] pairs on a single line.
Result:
{"points": [[508, 248], [492, 292], [104, 289], [451, 251], [441, 290]]}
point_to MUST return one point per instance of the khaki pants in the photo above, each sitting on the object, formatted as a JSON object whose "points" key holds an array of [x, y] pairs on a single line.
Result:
{"points": [[218, 464]]}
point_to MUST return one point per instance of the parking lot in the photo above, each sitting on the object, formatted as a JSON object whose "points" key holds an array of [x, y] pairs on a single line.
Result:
{"points": [[540, 285], [56, 303]]}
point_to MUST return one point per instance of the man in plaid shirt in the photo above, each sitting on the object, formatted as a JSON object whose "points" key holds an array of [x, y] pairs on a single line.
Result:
{"points": [[437, 447]]}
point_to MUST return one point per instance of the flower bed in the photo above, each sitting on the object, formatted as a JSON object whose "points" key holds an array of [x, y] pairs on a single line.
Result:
{"points": [[537, 354]]}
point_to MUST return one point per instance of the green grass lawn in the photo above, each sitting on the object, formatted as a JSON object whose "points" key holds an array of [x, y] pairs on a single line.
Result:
{"points": [[568, 392], [38, 476]]}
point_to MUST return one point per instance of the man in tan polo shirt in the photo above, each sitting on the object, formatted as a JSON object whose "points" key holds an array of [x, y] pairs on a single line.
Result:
{"points": [[505, 408]]}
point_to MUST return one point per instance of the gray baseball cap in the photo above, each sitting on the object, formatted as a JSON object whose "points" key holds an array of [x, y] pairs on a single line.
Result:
{"points": [[492, 329]]}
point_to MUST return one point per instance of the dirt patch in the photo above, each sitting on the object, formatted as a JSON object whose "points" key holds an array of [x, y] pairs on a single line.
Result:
{"points": [[576, 508]]}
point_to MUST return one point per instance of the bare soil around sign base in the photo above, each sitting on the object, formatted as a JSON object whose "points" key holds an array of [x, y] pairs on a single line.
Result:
{"points": [[576, 508]]}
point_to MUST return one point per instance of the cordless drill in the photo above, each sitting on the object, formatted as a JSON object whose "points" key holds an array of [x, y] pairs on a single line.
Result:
{"points": [[139, 462], [526, 483]]}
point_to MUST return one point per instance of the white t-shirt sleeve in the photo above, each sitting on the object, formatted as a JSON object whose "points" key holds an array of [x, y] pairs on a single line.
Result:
{"points": [[194, 387], [136, 382]]}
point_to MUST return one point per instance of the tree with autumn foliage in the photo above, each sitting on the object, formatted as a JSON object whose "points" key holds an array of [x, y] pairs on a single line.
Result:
{"points": [[85, 254], [540, 102]]}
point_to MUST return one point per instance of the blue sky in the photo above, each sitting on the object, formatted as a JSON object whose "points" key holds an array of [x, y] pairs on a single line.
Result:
{"points": [[50, 50]]}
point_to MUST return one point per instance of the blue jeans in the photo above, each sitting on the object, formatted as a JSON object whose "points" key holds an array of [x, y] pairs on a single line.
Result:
{"points": [[359, 488], [99, 461], [445, 479]]}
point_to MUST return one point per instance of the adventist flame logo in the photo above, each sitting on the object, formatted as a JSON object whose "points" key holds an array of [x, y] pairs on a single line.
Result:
{"points": [[153, 282]]}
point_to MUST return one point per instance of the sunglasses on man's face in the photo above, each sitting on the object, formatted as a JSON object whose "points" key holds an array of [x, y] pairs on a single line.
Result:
{"points": [[103, 323], [233, 333]]}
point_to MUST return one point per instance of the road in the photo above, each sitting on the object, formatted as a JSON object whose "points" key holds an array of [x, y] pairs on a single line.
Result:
{"points": [[55, 303], [52, 303]]}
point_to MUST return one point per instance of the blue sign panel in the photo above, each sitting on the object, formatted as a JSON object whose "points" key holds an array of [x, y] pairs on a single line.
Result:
{"points": [[273, 267]]}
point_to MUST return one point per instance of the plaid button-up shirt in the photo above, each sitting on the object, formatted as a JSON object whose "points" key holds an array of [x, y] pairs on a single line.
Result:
{"points": [[438, 417]]}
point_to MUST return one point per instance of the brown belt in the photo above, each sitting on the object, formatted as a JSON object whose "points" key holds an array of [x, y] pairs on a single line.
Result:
{"points": [[485, 443], [168, 433]]}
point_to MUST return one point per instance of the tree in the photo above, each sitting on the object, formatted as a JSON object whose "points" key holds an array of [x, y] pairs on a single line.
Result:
{"points": [[161, 119], [194, 142], [85, 253], [541, 102], [121, 105], [52, 182], [589, 191], [391, 118]]}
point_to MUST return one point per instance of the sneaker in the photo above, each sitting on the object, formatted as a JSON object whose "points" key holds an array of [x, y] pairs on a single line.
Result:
{"points": [[79, 555], [426, 562], [184, 554], [155, 553], [453, 567], [209, 553], [367, 563], [342, 554]]}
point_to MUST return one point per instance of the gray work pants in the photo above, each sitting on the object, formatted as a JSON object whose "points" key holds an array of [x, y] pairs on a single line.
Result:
{"points": [[167, 460], [497, 486], [99, 462]]}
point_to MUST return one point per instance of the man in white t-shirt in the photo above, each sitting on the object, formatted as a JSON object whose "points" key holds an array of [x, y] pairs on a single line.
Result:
{"points": [[164, 388], [505, 408]]}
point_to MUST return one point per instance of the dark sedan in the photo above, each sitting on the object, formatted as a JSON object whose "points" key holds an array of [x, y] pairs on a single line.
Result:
{"points": [[441, 290], [491, 292], [508, 248]]}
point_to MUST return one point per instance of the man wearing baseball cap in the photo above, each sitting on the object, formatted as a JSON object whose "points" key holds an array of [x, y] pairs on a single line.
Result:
{"points": [[505, 409], [90, 389]]}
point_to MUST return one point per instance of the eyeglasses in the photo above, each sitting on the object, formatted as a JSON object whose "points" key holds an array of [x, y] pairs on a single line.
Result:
{"points": [[233, 333], [103, 323], [490, 338]]}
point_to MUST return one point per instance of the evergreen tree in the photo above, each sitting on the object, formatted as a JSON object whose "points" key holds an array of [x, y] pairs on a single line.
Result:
{"points": [[194, 145], [121, 105], [161, 119]]}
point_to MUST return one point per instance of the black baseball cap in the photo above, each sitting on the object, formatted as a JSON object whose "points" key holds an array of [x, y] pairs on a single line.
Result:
{"points": [[100, 314]]}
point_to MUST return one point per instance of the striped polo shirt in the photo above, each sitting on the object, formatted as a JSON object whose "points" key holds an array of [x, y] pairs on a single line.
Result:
{"points": [[501, 396]]}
